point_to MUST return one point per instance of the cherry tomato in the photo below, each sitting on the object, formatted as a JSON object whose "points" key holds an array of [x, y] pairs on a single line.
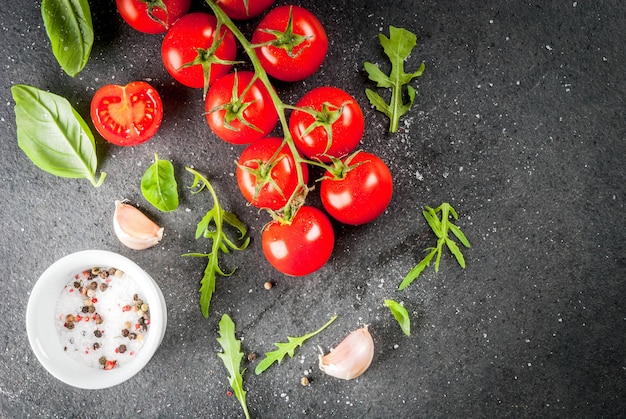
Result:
{"points": [[336, 113], [244, 9], [240, 119], [148, 16], [290, 52], [301, 247], [268, 184], [187, 50], [361, 193], [127, 115]]}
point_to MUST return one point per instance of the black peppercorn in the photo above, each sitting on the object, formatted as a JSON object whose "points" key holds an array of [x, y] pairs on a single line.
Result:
{"points": [[96, 345], [85, 309], [121, 348], [97, 333], [103, 286], [93, 285], [132, 336], [125, 332]]}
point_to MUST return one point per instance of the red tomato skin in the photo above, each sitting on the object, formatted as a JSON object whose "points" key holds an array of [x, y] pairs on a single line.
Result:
{"points": [[347, 131], [236, 9], [115, 123], [363, 195], [135, 13], [284, 174], [308, 57], [261, 112], [302, 247], [192, 31]]}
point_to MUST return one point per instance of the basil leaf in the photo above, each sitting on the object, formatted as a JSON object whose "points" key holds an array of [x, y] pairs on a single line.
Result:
{"points": [[53, 135], [158, 185], [70, 30], [401, 315]]}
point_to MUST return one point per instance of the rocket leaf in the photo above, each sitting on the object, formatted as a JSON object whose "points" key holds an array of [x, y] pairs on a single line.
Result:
{"points": [[397, 47], [231, 357], [287, 348]]}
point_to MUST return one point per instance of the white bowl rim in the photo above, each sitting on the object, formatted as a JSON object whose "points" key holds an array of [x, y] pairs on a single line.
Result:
{"points": [[41, 328]]}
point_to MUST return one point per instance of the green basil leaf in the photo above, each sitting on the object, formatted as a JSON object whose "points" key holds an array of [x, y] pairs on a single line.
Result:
{"points": [[401, 316], [158, 185], [53, 135], [70, 30]]}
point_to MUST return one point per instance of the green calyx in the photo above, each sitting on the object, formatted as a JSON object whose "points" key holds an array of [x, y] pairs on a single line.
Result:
{"points": [[324, 119], [287, 39], [236, 108], [152, 4]]}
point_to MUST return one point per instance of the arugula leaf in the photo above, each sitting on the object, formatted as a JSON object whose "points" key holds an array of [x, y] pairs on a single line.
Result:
{"points": [[401, 315], [53, 135], [212, 227], [231, 357], [397, 47], [441, 228], [70, 30], [287, 348], [158, 185]]}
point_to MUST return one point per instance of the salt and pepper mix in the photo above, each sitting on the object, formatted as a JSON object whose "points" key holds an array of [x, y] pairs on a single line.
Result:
{"points": [[101, 318]]}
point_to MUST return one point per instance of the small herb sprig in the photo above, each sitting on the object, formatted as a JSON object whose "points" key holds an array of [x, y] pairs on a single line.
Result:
{"points": [[231, 357], [212, 227], [159, 186], [441, 227], [401, 315], [397, 47], [287, 348]]}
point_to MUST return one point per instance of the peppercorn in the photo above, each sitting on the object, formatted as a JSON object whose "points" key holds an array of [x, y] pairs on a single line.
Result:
{"points": [[91, 293], [112, 271], [93, 285], [135, 297], [304, 381], [144, 307], [97, 333], [251, 356], [102, 360], [125, 332], [132, 336], [98, 319], [104, 274], [268, 285], [76, 284], [96, 345], [69, 325], [95, 270], [103, 286], [121, 348], [92, 309], [85, 309], [69, 318]]}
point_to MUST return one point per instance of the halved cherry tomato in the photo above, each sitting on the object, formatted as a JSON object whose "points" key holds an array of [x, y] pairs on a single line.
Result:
{"points": [[152, 16], [264, 182], [302, 246], [236, 117], [127, 115], [361, 192], [190, 55], [333, 129], [293, 43], [244, 9]]}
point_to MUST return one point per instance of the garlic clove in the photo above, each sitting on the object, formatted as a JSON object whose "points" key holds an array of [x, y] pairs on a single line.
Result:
{"points": [[133, 228], [351, 357]]}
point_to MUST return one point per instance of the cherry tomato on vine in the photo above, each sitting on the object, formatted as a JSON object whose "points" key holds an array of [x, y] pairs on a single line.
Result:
{"points": [[236, 117], [302, 246], [292, 43], [334, 128], [244, 9], [127, 115], [190, 53], [152, 16], [361, 192], [265, 183]]}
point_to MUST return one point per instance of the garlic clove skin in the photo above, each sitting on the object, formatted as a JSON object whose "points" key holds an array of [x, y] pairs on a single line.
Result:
{"points": [[133, 228], [351, 357]]}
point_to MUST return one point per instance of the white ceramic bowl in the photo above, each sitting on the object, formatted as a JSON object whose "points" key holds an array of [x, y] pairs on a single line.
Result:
{"points": [[44, 337]]}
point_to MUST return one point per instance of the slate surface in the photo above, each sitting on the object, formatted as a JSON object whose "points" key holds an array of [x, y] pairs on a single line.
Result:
{"points": [[519, 123]]}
